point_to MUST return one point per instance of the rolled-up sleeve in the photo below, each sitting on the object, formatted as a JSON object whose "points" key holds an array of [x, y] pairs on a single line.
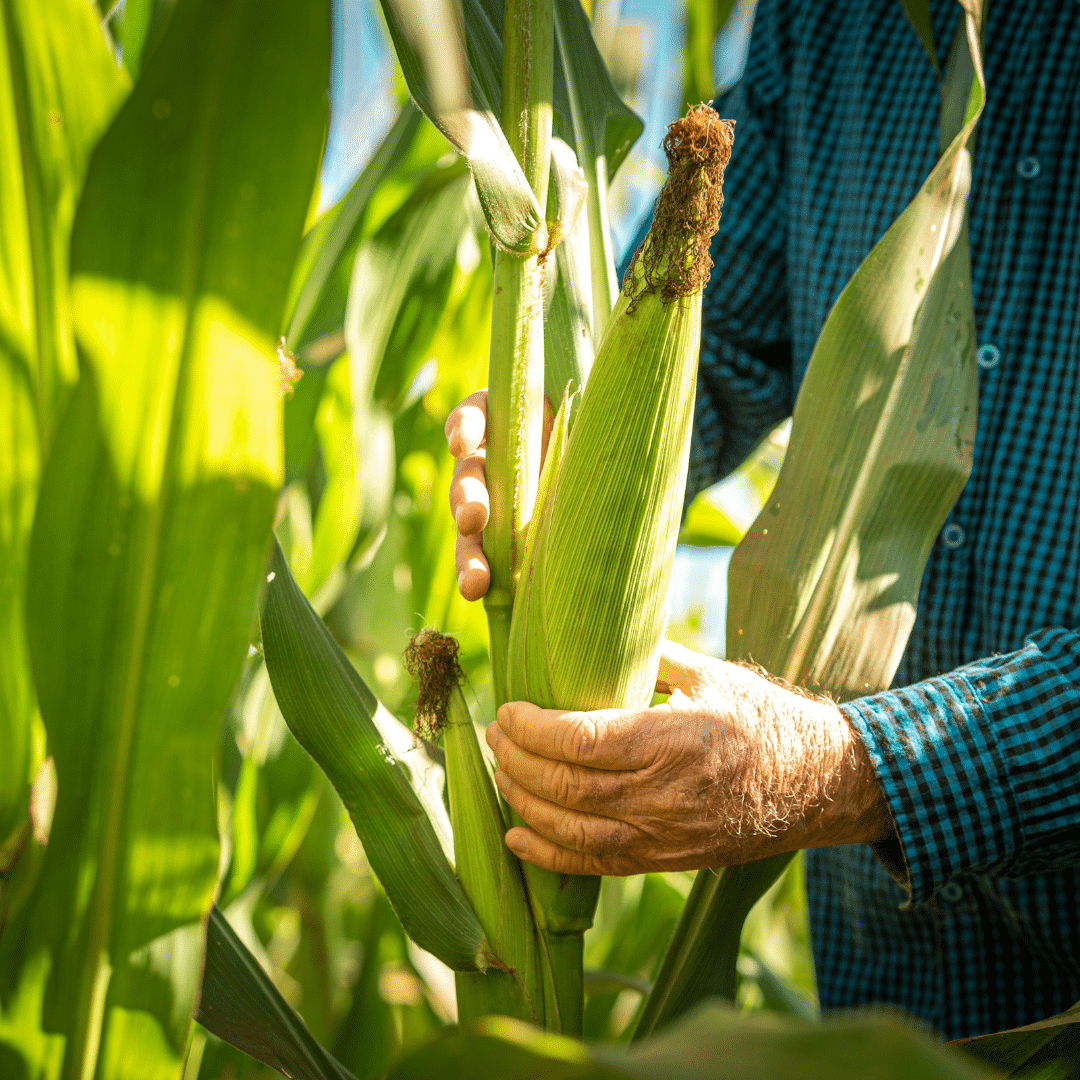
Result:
{"points": [[981, 767]]}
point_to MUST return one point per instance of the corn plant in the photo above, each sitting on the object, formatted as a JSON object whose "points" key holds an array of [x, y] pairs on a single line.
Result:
{"points": [[203, 395]]}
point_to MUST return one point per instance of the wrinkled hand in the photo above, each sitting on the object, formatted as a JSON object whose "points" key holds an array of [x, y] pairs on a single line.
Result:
{"points": [[466, 434], [733, 767]]}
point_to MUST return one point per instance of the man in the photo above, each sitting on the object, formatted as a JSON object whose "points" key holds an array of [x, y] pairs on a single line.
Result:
{"points": [[966, 775]]}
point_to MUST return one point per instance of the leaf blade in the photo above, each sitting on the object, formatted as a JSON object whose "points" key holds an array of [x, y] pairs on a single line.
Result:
{"points": [[384, 782]]}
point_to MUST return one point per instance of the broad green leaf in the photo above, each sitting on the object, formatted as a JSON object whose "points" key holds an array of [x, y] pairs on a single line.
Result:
{"points": [[471, 122], [599, 126], [714, 1043], [143, 22], [704, 20], [384, 778], [823, 587], [58, 88], [325, 266], [155, 509], [1046, 1050], [240, 1004]]}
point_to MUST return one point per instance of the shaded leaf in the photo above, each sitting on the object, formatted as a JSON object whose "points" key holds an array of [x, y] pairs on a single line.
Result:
{"points": [[388, 785], [714, 1043], [155, 510], [240, 1004], [918, 13], [1046, 1050]]}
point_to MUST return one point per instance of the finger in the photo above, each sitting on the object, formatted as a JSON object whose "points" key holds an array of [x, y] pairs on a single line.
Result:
{"points": [[614, 739], [559, 782], [682, 669], [466, 426], [473, 574], [534, 848], [588, 833], [469, 494]]}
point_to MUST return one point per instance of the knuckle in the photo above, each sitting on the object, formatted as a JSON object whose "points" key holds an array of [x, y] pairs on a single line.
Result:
{"points": [[580, 737]]}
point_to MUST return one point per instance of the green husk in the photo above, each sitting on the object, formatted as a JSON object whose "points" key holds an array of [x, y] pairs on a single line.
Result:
{"points": [[489, 873]]}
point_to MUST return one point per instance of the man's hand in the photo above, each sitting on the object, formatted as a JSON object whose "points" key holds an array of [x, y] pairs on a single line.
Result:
{"points": [[466, 434], [733, 767]]}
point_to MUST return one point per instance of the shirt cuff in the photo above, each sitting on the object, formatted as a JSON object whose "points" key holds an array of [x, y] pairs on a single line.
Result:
{"points": [[981, 767]]}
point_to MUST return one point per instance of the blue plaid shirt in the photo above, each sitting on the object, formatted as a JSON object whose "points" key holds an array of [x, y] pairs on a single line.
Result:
{"points": [[977, 746]]}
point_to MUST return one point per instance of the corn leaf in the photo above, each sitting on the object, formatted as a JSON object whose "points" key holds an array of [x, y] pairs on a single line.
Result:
{"points": [[154, 513], [704, 20], [822, 589], [400, 284], [607, 128], [143, 22], [714, 1043], [918, 13], [385, 780], [825, 583], [241, 1005], [601, 128], [1046, 1050], [324, 268], [471, 123], [58, 88]]}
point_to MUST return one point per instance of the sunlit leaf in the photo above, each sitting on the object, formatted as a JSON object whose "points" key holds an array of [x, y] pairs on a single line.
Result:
{"points": [[513, 214], [155, 510], [58, 88]]}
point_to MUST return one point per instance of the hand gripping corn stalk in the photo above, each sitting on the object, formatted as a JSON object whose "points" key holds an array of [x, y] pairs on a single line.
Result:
{"points": [[589, 600]]}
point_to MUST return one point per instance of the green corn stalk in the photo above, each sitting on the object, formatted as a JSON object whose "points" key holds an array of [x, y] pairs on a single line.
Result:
{"points": [[516, 371], [591, 602]]}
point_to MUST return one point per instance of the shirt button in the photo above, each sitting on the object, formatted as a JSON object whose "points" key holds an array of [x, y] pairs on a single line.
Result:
{"points": [[952, 892], [952, 535], [1027, 168], [988, 356]]}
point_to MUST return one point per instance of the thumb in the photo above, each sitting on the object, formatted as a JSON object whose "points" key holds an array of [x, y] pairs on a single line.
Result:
{"points": [[682, 669]]}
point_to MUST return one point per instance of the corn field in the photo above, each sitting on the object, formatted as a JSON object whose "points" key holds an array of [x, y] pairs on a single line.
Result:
{"points": [[248, 825]]}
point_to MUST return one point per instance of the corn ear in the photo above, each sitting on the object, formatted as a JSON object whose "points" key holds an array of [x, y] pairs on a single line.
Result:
{"points": [[587, 635], [489, 873]]}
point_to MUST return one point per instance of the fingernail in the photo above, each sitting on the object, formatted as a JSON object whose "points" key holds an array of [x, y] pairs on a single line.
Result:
{"points": [[517, 844], [503, 715], [501, 781], [460, 580]]}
